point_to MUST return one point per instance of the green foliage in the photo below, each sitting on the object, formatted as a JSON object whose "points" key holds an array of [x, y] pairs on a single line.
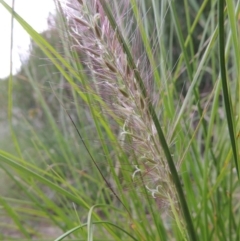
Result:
{"points": [[124, 124]]}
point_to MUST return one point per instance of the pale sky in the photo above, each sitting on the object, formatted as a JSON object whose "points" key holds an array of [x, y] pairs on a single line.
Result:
{"points": [[35, 12]]}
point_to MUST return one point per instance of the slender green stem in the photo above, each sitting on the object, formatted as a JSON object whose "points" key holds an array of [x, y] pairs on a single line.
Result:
{"points": [[227, 100]]}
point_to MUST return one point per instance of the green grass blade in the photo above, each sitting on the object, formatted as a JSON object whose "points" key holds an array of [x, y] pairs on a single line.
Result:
{"points": [[227, 100], [14, 217], [98, 222], [29, 173]]}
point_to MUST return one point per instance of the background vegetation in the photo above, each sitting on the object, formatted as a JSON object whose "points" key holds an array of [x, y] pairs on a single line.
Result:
{"points": [[124, 128]]}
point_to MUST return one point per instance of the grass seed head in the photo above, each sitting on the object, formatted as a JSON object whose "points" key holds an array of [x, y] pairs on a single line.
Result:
{"points": [[108, 64]]}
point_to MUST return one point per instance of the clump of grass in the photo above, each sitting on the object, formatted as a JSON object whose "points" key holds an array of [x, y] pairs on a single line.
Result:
{"points": [[119, 81], [172, 145], [114, 80]]}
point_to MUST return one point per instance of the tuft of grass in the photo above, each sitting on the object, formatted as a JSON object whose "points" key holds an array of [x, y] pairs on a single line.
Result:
{"points": [[140, 83]]}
